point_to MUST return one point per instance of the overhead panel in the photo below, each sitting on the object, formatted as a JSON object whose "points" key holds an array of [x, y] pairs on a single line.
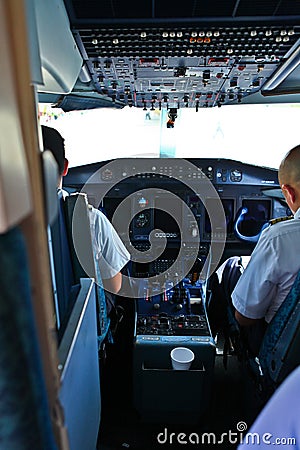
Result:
{"points": [[197, 54], [184, 66]]}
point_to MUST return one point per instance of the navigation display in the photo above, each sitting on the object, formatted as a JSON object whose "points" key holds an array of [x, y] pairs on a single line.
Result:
{"points": [[259, 212], [165, 220], [228, 205]]}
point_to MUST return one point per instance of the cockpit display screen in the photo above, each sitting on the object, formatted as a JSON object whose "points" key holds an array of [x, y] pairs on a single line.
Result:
{"points": [[258, 213], [228, 205], [167, 213]]}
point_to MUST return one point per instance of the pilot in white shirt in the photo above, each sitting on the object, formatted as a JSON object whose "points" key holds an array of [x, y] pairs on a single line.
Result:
{"points": [[275, 260], [108, 248], [271, 271], [272, 268]]}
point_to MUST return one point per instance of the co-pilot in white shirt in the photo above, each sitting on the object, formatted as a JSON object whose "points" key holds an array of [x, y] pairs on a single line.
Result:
{"points": [[109, 250], [272, 269]]}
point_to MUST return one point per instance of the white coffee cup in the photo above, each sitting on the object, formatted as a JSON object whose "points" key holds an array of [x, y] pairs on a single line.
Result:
{"points": [[181, 358]]}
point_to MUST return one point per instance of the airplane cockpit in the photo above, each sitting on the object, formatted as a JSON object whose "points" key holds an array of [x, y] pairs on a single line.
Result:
{"points": [[180, 218], [175, 118]]}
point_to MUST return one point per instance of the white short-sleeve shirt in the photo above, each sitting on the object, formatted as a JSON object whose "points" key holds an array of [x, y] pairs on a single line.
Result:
{"points": [[110, 252], [271, 271], [278, 424]]}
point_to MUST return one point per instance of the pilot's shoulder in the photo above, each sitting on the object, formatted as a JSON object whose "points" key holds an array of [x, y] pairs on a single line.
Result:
{"points": [[280, 219]]}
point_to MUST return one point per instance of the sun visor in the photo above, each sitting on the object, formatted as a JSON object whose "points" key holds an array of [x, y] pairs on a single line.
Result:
{"points": [[59, 57], [87, 101]]}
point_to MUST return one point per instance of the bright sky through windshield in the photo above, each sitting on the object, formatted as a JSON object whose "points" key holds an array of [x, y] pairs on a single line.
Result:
{"points": [[256, 134]]}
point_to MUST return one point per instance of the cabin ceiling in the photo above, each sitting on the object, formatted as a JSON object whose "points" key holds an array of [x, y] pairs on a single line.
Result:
{"points": [[196, 53], [92, 10]]}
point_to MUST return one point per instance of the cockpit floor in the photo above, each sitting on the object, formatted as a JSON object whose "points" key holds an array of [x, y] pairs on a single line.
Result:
{"points": [[121, 427]]}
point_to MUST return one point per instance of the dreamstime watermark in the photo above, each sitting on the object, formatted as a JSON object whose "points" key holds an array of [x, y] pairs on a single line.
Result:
{"points": [[229, 437], [140, 203]]}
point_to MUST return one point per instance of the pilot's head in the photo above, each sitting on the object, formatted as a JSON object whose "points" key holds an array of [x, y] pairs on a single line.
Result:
{"points": [[55, 143], [289, 178]]}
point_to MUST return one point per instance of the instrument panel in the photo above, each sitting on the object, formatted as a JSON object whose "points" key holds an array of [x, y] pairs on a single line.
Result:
{"points": [[217, 170], [163, 206]]}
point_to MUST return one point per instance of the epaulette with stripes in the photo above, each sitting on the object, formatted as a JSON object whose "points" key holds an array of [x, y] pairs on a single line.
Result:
{"points": [[280, 219]]}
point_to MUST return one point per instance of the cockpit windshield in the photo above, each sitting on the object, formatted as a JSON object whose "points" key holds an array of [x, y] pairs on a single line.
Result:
{"points": [[256, 134]]}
